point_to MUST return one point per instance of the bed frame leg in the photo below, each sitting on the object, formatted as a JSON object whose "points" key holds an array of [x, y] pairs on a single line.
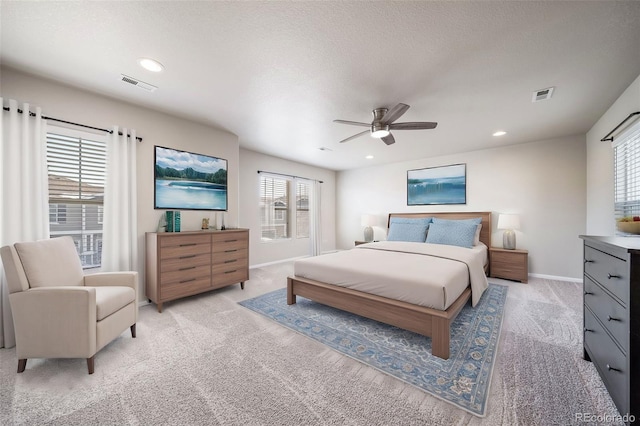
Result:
{"points": [[440, 337], [291, 298]]}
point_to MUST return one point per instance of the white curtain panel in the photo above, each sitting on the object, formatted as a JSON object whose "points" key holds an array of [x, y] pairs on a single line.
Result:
{"points": [[315, 204], [119, 233], [24, 191]]}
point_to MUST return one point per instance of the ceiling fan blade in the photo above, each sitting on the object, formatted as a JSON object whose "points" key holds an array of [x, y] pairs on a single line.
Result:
{"points": [[413, 125], [355, 136], [353, 123], [389, 140], [394, 113]]}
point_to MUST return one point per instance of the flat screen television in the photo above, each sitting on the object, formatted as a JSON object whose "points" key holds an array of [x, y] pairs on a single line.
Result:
{"points": [[188, 181]]}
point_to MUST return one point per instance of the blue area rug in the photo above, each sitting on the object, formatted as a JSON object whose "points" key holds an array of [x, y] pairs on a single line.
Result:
{"points": [[462, 380]]}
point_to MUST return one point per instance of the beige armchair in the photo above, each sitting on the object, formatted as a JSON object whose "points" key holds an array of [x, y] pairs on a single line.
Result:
{"points": [[58, 312]]}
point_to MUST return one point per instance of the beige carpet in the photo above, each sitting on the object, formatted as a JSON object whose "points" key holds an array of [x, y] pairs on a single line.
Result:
{"points": [[207, 360]]}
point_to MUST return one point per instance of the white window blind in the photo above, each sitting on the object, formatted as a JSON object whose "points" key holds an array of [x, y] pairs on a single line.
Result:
{"points": [[274, 208], [76, 168], [626, 151], [302, 210]]}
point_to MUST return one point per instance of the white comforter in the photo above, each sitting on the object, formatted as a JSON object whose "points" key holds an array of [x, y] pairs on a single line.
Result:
{"points": [[430, 275]]}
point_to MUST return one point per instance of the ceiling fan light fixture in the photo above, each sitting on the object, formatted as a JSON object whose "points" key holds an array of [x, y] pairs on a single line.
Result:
{"points": [[379, 130], [500, 133]]}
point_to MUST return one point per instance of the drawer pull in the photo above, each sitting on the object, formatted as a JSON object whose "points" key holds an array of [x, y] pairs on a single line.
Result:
{"points": [[610, 318], [189, 244], [612, 276], [186, 269], [186, 281], [588, 261], [231, 272], [230, 251], [588, 329], [230, 261], [610, 368], [230, 241], [187, 257], [588, 292]]}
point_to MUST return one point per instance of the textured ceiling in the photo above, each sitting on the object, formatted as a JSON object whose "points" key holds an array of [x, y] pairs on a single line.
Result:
{"points": [[277, 73]]}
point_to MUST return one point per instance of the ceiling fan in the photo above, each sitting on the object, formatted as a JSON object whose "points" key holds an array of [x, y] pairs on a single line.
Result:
{"points": [[383, 123]]}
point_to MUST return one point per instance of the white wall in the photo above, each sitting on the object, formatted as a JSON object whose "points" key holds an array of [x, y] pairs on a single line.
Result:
{"points": [[266, 252], [156, 128], [542, 181], [600, 211]]}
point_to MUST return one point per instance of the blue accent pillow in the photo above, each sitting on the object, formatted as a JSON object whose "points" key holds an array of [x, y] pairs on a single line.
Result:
{"points": [[476, 220], [452, 232], [405, 229]]}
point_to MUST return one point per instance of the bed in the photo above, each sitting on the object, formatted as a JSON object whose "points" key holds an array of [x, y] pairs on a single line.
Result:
{"points": [[337, 281]]}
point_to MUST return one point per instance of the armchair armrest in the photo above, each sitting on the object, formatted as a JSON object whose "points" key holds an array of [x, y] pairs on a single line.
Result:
{"points": [[55, 322], [127, 279]]}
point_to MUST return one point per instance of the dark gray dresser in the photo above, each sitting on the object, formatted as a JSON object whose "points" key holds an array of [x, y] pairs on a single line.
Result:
{"points": [[612, 317]]}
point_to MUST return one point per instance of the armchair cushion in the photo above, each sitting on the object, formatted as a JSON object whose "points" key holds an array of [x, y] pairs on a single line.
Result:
{"points": [[51, 263], [112, 299]]}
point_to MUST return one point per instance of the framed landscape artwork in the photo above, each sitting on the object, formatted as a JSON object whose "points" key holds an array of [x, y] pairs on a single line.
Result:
{"points": [[437, 185], [189, 181]]}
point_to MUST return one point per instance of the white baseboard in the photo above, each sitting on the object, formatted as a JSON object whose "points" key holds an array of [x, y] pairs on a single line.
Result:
{"points": [[556, 277], [291, 259]]}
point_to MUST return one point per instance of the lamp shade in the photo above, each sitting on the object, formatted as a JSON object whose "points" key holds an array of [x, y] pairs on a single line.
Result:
{"points": [[368, 220], [509, 221]]}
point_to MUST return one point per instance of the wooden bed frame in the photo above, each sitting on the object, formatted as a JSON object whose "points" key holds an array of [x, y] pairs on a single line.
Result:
{"points": [[426, 321]]}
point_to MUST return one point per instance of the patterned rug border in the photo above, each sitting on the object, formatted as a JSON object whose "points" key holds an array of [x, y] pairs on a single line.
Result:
{"points": [[444, 366]]}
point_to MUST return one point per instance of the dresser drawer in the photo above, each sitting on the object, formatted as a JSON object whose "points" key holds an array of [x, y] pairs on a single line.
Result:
{"points": [[614, 316], [225, 257], [230, 241], [185, 262], [181, 240], [230, 277], [184, 251], [609, 360], [187, 274], [230, 265], [185, 287], [611, 272]]}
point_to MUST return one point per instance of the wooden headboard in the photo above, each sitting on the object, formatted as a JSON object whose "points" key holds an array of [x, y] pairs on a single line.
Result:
{"points": [[485, 232]]}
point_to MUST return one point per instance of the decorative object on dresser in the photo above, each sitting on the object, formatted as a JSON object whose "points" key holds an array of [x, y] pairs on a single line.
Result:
{"points": [[509, 264], [509, 222], [188, 263], [611, 320]]}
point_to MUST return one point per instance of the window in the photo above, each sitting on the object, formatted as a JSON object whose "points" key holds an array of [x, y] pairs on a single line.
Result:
{"points": [[302, 210], [274, 208], [76, 167], [626, 153]]}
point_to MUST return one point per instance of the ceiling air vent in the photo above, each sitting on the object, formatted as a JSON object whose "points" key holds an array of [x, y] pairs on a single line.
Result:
{"points": [[542, 94], [141, 84]]}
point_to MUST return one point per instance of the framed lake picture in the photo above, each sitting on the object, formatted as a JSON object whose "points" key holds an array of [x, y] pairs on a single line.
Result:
{"points": [[437, 185], [188, 181]]}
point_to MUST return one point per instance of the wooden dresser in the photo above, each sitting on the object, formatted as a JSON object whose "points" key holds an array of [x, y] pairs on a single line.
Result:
{"points": [[612, 317], [180, 264]]}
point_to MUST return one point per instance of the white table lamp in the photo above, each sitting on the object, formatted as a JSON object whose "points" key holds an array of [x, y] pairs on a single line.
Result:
{"points": [[368, 221], [509, 222]]}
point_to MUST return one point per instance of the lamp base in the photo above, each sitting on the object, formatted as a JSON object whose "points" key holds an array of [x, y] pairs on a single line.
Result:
{"points": [[368, 234], [509, 239]]}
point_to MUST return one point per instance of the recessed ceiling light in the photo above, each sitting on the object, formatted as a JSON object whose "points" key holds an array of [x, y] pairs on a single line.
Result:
{"points": [[369, 157], [500, 133], [150, 64]]}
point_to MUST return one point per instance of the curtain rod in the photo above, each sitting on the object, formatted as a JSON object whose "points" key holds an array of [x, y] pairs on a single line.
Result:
{"points": [[44, 117], [610, 139], [291, 176]]}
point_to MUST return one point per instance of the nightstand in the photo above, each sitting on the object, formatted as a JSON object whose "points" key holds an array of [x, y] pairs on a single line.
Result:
{"points": [[509, 264]]}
